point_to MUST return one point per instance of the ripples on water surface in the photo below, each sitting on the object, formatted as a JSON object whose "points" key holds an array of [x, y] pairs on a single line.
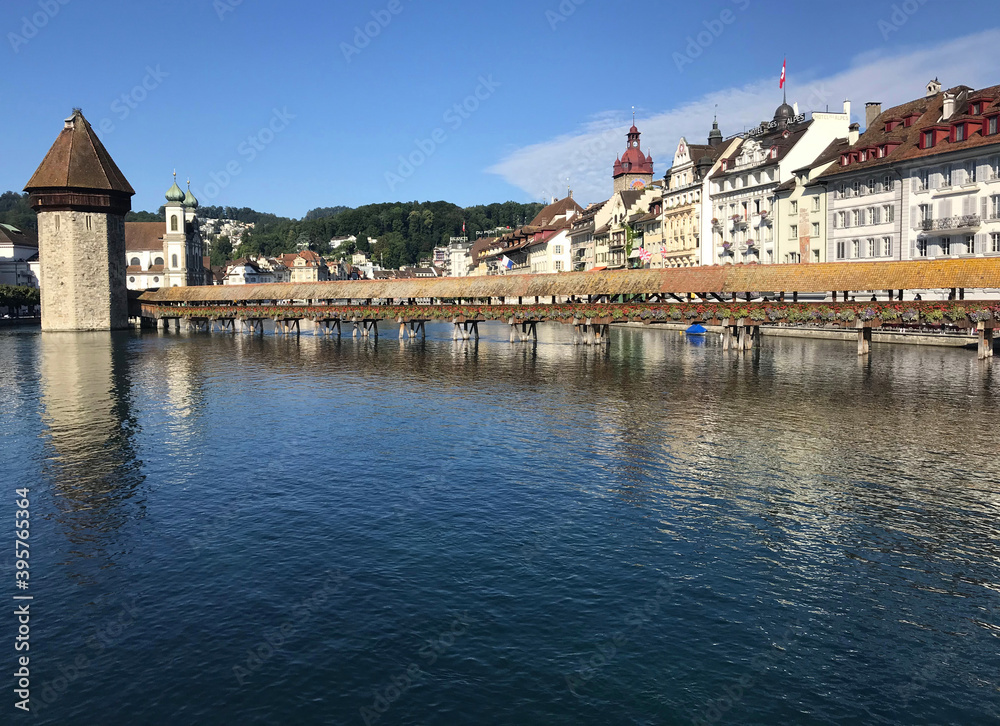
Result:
{"points": [[657, 534]]}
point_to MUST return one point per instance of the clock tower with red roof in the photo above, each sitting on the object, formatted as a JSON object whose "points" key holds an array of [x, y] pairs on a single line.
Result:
{"points": [[634, 169]]}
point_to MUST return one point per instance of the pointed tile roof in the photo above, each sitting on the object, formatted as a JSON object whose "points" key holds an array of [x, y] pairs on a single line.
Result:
{"points": [[78, 160]]}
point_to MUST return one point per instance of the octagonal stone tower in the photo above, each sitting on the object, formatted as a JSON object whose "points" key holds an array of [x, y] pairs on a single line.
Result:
{"points": [[81, 198]]}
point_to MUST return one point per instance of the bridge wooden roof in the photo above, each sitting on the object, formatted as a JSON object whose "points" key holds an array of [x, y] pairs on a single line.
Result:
{"points": [[968, 273]]}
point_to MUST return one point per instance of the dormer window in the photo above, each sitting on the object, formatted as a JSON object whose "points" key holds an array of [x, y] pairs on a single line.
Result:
{"points": [[975, 108], [927, 140], [991, 126], [959, 134], [774, 152], [844, 160], [725, 165], [892, 125]]}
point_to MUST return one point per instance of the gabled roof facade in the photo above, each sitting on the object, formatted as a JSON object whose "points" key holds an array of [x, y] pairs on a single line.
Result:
{"points": [[897, 134]]}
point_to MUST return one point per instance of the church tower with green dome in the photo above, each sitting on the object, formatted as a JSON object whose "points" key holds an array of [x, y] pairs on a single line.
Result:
{"points": [[182, 245]]}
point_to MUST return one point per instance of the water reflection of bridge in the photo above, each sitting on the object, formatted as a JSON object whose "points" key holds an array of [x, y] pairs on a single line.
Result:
{"points": [[739, 299]]}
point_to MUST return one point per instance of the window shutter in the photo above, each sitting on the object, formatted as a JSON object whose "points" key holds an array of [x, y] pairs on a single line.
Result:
{"points": [[913, 218], [968, 205], [913, 249], [946, 208], [935, 180], [981, 243], [984, 210], [914, 185]]}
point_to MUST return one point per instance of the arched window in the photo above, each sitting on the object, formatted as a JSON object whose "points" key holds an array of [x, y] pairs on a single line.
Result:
{"points": [[173, 261], [134, 262], [173, 223], [158, 261]]}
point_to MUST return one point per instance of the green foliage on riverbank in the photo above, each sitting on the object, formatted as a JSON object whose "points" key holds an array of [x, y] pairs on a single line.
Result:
{"points": [[406, 231], [14, 297]]}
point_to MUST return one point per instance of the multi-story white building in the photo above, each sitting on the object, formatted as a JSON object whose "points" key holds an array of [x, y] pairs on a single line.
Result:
{"points": [[540, 247], [743, 189], [18, 257], [246, 272], [923, 181], [581, 237], [683, 199], [800, 218]]}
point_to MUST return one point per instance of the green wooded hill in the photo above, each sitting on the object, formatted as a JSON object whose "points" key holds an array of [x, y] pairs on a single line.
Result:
{"points": [[406, 231]]}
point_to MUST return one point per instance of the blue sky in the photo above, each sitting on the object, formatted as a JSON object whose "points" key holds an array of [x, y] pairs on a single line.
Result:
{"points": [[555, 82]]}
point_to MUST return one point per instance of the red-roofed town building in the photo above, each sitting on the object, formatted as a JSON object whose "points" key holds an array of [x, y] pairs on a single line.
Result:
{"points": [[922, 181]]}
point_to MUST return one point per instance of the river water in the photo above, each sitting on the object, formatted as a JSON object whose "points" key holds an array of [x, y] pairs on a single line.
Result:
{"points": [[229, 529]]}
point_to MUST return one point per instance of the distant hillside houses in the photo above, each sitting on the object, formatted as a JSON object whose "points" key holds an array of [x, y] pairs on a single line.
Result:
{"points": [[212, 228], [307, 266]]}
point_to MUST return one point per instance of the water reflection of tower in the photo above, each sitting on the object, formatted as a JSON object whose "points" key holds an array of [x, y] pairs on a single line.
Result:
{"points": [[92, 469]]}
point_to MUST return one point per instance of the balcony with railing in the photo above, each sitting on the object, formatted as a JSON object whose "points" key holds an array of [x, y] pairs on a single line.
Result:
{"points": [[952, 224]]}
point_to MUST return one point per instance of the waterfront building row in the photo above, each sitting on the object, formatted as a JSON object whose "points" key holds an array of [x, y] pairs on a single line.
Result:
{"points": [[922, 180]]}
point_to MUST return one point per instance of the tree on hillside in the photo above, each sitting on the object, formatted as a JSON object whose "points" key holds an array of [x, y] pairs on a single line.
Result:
{"points": [[15, 211], [143, 217], [222, 251]]}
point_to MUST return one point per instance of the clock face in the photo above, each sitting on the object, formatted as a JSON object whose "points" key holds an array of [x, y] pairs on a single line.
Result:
{"points": [[638, 184], [635, 144]]}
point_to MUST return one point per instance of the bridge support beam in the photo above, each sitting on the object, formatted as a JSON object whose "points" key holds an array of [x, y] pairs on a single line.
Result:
{"points": [[864, 338], [252, 326], [985, 341]]}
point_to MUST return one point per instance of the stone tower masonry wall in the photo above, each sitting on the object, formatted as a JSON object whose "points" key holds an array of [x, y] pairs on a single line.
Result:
{"points": [[82, 271]]}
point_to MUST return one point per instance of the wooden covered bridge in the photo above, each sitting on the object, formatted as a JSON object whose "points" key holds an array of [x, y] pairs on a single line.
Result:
{"points": [[957, 294]]}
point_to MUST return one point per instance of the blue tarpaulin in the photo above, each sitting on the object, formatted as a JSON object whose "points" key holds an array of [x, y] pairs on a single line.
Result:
{"points": [[696, 329]]}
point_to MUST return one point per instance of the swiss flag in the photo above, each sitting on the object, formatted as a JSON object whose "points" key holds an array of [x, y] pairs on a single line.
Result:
{"points": [[781, 83]]}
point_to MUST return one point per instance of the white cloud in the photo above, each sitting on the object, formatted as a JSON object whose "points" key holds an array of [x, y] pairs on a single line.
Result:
{"points": [[587, 154]]}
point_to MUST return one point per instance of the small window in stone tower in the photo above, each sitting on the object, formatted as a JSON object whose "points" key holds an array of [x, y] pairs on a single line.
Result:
{"points": [[173, 260], [173, 223], [90, 223], [57, 223]]}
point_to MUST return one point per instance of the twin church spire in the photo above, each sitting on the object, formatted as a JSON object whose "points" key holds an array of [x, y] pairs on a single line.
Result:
{"points": [[176, 195]]}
